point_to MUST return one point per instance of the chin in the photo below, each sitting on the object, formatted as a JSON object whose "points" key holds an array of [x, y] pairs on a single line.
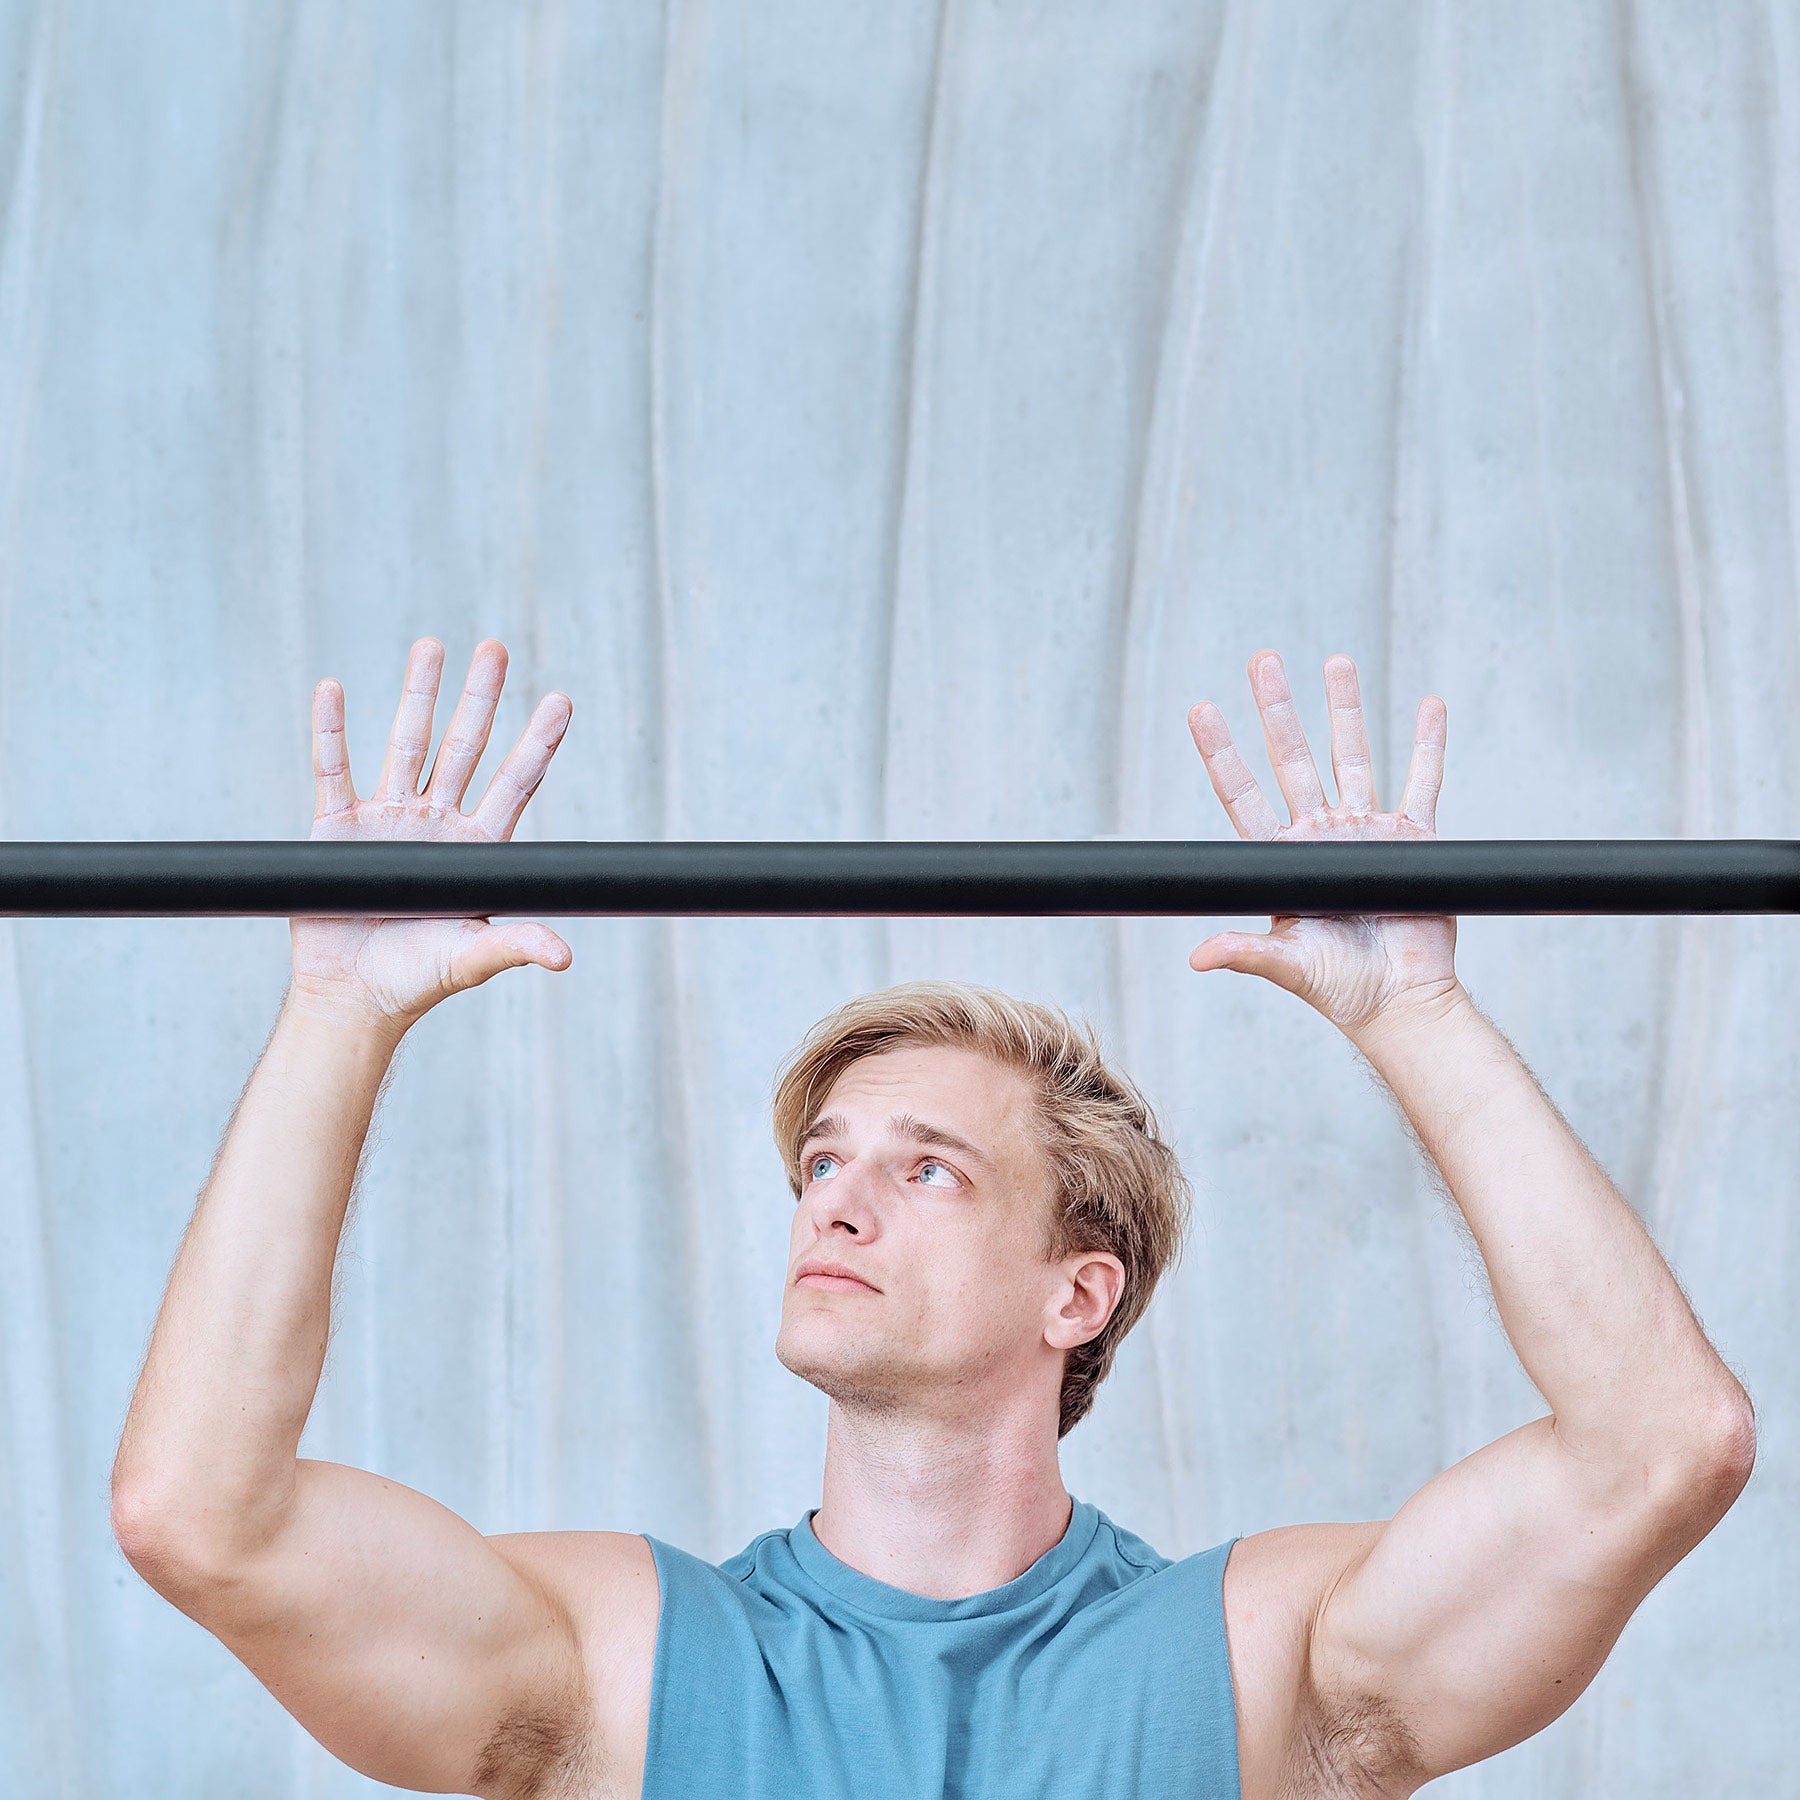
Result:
{"points": [[852, 1374]]}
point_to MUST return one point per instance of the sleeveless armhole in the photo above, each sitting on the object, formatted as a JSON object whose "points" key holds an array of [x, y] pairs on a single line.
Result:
{"points": [[1180, 1622], [1225, 1699], [1215, 1695], [702, 1622]]}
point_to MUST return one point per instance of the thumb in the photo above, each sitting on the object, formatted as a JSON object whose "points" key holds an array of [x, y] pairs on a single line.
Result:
{"points": [[500, 947], [1250, 953]]}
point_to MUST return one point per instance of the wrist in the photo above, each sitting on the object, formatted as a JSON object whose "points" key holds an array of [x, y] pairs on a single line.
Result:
{"points": [[1421, 1013], [322, 1015]]}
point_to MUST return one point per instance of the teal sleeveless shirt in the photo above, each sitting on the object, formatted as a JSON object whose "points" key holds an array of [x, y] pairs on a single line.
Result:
{"points": [[784, 1674]]}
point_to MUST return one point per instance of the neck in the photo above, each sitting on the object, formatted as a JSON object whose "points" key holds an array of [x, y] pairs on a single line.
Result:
{"points": [[941, 1508]]}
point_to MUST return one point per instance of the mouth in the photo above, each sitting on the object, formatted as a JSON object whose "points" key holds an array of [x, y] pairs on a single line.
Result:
{"points": [[836, 1281]]}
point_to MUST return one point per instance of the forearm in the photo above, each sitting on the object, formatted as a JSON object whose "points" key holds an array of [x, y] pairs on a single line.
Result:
{"points": [[210, 1443], [1589, 1305]]}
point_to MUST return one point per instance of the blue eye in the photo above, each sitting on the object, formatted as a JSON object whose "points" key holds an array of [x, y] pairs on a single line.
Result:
{"points": [[813, 1162]]}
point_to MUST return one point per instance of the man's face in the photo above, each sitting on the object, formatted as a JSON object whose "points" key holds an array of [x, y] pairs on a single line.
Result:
{"points": [[922, 1177]]}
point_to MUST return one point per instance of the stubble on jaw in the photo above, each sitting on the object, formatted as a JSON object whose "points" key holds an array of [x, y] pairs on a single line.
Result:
{"points": [[882, 1386], [874, 1387]]}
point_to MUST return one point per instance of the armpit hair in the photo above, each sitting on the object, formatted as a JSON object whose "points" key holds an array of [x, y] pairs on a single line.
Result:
{"points": [[1355, 1748], [540, 1753]]}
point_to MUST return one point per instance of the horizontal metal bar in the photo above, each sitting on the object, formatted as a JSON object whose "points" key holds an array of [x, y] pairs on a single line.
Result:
{"points": [[1102, 877]]}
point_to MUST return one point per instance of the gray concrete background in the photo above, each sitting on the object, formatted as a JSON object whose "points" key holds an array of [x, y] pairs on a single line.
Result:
{"points": [[885, 422]]}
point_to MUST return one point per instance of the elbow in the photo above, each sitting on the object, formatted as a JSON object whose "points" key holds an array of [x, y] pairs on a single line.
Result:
{"points": [[133, 1520], [162, 1549], [187, 1544], [1731, 1439], [1715, 1458], [140, 1527]]}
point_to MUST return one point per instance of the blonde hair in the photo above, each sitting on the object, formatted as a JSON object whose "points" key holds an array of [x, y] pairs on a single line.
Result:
{"points": [[1116, 1185]]}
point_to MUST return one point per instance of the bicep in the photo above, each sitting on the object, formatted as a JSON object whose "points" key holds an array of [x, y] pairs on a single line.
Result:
{"points": [[394, 1631], [1485, 1606]]}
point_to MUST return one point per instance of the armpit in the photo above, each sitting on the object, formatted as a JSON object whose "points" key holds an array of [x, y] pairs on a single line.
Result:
{"points": [[1357, 1747], [537, 1753]]}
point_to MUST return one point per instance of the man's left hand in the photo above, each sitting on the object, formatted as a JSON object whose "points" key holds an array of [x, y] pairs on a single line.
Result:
{"points": [[1358, 970]]}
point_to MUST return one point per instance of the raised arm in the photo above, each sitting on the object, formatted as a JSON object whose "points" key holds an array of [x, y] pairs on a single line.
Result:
{"points": [[1484, 1607], [417, 1650]]}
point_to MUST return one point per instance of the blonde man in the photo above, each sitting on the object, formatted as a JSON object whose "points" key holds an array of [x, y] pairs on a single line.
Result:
{"points": [[982, 1210]]}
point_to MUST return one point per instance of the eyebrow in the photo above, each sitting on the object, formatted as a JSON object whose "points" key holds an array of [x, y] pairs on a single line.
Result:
{"points": [[903, 1125]]}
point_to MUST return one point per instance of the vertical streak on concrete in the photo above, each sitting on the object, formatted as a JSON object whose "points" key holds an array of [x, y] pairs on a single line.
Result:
{"points": [[1414, 570], [673, 1063], [1783, 159], [1161, 497], [915, 348], [1155, 536], [915, 409], [37, 1401], [1691, 1022], [26, 244], [534, 1189]]}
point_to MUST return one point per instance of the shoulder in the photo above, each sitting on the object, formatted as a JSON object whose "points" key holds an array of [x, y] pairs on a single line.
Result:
{"points": [[579, 1558], [1276, 1585], [605, 1582]]}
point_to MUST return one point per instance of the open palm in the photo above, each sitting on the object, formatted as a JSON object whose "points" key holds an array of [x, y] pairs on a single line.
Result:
{"points": [[1352, 968], [388, 972]]}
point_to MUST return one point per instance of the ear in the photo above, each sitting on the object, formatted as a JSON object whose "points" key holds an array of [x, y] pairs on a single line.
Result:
{"points": [[1092, 1284]]}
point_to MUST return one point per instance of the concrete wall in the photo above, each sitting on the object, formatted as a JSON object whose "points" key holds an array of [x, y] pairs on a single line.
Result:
{"points": [[885, 422]]}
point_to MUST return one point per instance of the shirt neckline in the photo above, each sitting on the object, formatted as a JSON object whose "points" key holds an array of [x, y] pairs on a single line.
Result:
{"points": [[870, 1595]]}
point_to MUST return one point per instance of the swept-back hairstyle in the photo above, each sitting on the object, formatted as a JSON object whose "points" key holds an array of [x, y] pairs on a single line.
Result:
{"points": [[1115, 1184]]}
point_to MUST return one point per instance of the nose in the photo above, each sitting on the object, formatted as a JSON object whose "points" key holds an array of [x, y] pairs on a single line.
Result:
{"points": [[848, 1201]]}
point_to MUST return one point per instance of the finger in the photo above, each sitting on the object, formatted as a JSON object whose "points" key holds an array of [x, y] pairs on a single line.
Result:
{"points": [[499, 947], [1250, 953], [410, 736], [1239, 793], [334, 791], [516, 779], [1351, 765], [467, 736], [1425, 773], [1290, 756]]}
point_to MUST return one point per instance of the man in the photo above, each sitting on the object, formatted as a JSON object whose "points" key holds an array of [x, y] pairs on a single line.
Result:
{"points": [[981, 1208]]}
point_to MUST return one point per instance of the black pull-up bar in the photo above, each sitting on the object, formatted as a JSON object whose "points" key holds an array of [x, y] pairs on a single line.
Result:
{"points": [[1106, 877]]}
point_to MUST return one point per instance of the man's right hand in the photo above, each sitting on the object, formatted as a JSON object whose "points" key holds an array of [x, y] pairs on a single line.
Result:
{"points": [[387, 973]]}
